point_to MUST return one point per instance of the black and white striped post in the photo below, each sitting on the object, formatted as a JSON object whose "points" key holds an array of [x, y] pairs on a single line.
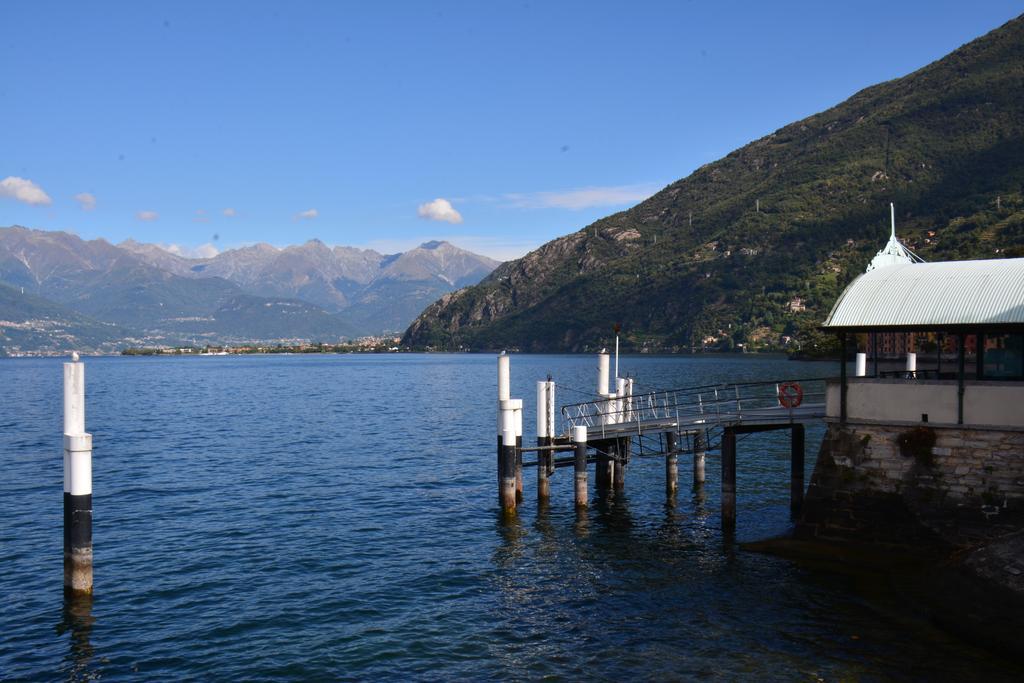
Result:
{"points": [[579, 437], [507, 472], [503, 395], [545, 435], [77, 483], [507, 411]]}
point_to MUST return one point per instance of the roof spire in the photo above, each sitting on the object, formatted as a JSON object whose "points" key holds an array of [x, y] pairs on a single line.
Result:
{"points": [[894, 252]]}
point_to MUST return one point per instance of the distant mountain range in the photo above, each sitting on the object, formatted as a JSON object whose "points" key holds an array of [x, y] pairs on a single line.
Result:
{"points": [[60, 291], [753, 249]]}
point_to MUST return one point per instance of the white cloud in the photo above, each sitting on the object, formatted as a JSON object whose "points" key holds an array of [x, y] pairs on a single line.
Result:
{"points": [[24, 190], [309, 214], [147, 215], [439, 210], [202, 251], [86, 200], [583, 197], [229, 212]]}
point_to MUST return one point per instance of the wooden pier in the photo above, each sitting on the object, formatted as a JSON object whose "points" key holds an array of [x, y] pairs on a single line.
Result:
{"points": [[621, 426]]}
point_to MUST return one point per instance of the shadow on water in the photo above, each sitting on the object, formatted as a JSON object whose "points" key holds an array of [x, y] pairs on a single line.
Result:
{"points": [[77, 620]]}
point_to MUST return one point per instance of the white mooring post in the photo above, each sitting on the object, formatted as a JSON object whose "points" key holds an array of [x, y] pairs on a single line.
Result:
{"points": [[77, 483], [542, 409], [551, 425], [862, 365], [579, 437], [621, 390], [504, 377], [602, 373], [911, 362]]}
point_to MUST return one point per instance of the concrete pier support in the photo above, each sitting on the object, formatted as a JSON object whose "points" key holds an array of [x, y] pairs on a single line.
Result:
{"points": [[729, 479], [579, 438], [671, 464], [508, 472], [796, 468], [77, 483], [699, 457]]}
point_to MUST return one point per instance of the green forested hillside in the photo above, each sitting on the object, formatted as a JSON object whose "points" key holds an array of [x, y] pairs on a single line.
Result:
{"points": [[28, 323], [715, 259]]}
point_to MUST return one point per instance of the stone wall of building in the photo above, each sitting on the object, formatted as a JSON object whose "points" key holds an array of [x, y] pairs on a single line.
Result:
{"points": [[914, 483]]}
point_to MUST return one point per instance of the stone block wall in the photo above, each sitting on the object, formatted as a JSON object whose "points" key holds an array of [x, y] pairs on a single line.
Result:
{"points": [[865, 485]]}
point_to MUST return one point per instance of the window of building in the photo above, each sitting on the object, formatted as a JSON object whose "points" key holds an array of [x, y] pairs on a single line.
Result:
{"points": [[1003, 356]]}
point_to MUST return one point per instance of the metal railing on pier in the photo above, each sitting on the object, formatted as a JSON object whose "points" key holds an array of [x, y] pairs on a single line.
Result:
{"points": [[707, 407]]}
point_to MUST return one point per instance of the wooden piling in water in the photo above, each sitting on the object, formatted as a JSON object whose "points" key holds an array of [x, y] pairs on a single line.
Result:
{"points": [[543, 458], [698, 458], [77, 483], [796, 467], [604, 466], [671, 464], [621, 450], [728, 478], [579, 437]]}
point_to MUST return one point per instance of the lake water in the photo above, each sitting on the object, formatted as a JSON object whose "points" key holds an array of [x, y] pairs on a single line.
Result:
{"points": [[335, 517]]}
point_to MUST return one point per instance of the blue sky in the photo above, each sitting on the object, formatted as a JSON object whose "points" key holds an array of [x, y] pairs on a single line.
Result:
{"points": [[231, 123]]}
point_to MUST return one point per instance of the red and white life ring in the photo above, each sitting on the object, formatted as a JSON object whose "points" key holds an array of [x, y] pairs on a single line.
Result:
{"points": [[791, 394]]}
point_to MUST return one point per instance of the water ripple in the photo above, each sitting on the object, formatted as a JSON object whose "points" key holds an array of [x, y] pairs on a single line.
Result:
{"points": [[268, 518]]}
